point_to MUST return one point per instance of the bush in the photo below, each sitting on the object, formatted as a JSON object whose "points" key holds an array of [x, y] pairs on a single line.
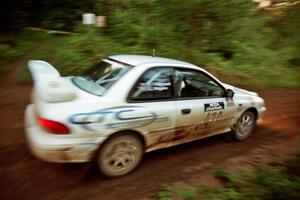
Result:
{"points": [[233, 39], [272, 184], [69, 60], [265, 183], [7, 52]]}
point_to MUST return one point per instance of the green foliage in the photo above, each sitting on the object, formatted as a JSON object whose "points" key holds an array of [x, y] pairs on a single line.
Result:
{"points": [[164, 193], [7, 52], [265, 183], [181, 27], [69, 60], [224, 175], [273, 184], [292, 165], [207, 193], [232, 39], [199, 192], [286, 25]]}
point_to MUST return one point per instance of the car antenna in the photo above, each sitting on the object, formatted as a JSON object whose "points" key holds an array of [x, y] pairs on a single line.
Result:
{"points": [[153, 52]]}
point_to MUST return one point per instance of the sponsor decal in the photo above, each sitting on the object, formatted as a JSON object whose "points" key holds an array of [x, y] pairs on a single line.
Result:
{"points": [[230, 103], [115, 118], [209, 107], [154, 87]]}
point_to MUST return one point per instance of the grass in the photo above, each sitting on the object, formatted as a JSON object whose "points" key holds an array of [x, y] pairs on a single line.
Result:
{"points": [[267, 182]]}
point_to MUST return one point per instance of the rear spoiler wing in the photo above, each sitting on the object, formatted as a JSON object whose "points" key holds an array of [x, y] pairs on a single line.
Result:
{"points": [[49, 85], [40, 70]]}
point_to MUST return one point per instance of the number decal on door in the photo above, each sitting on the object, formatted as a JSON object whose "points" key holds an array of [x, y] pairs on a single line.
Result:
{"points": [[213, 116]]}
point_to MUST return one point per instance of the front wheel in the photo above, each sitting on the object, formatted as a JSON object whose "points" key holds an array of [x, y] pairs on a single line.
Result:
{"points": [[244, 126], [120, 155]]}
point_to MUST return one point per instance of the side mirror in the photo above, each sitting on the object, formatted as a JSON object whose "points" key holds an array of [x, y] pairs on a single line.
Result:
{"points": [[229, 93]]}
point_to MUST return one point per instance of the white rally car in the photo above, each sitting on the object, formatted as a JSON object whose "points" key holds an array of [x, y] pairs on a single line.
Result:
{"points": [[126, 105]]}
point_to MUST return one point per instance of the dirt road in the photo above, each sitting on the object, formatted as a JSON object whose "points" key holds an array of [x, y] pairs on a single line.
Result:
{"points": [[25, 177]]}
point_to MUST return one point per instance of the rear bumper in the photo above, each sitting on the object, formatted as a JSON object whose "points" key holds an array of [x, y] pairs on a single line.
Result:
{"points": [[54, 148]]}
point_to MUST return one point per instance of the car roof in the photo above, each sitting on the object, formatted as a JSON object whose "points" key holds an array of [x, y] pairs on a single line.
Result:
{"points": [[143, 59]]}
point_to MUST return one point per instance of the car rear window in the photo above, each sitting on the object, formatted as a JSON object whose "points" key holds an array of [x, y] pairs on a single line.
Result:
{"points": [[101, 76]]}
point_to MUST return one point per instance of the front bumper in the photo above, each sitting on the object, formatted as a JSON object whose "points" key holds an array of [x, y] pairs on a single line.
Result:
{"points": [[260, 112], [58, 148]]}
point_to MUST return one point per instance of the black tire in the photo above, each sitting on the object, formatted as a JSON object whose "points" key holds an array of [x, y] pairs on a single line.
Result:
{"points": [[243, 127], [120, 155]]}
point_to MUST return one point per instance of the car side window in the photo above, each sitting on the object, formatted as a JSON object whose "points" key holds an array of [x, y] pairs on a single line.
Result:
{"points": [[192, 83], [154, 84]]}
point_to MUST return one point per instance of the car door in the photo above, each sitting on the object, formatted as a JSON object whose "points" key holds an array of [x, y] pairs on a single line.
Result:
{"points": [[154, 93], [201, 106]]}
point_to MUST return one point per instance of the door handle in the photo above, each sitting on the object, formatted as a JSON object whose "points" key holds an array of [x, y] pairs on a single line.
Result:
{"points": [[185, 111]]}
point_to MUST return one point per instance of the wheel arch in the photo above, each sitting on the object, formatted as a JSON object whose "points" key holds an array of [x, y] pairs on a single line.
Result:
{"points": [[127, 131], [230, 136], [131, 132], [253, 110]]}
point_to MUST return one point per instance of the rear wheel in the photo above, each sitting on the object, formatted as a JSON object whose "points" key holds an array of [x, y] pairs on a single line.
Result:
{"points": [[120, 155], [243, 127]]}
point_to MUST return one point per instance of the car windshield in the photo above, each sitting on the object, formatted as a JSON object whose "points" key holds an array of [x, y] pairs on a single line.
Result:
{"points": [[100, 77]]}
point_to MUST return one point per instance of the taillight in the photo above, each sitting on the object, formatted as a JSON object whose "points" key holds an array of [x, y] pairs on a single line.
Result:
{"points": [[53, 126]]}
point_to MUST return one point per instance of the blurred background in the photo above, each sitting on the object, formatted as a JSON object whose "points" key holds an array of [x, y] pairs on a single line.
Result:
{"points": [[250, 43], [254, 44]]}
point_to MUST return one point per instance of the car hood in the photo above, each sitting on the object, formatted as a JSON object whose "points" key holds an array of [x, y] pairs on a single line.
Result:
{"points": [[240, 91]]}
